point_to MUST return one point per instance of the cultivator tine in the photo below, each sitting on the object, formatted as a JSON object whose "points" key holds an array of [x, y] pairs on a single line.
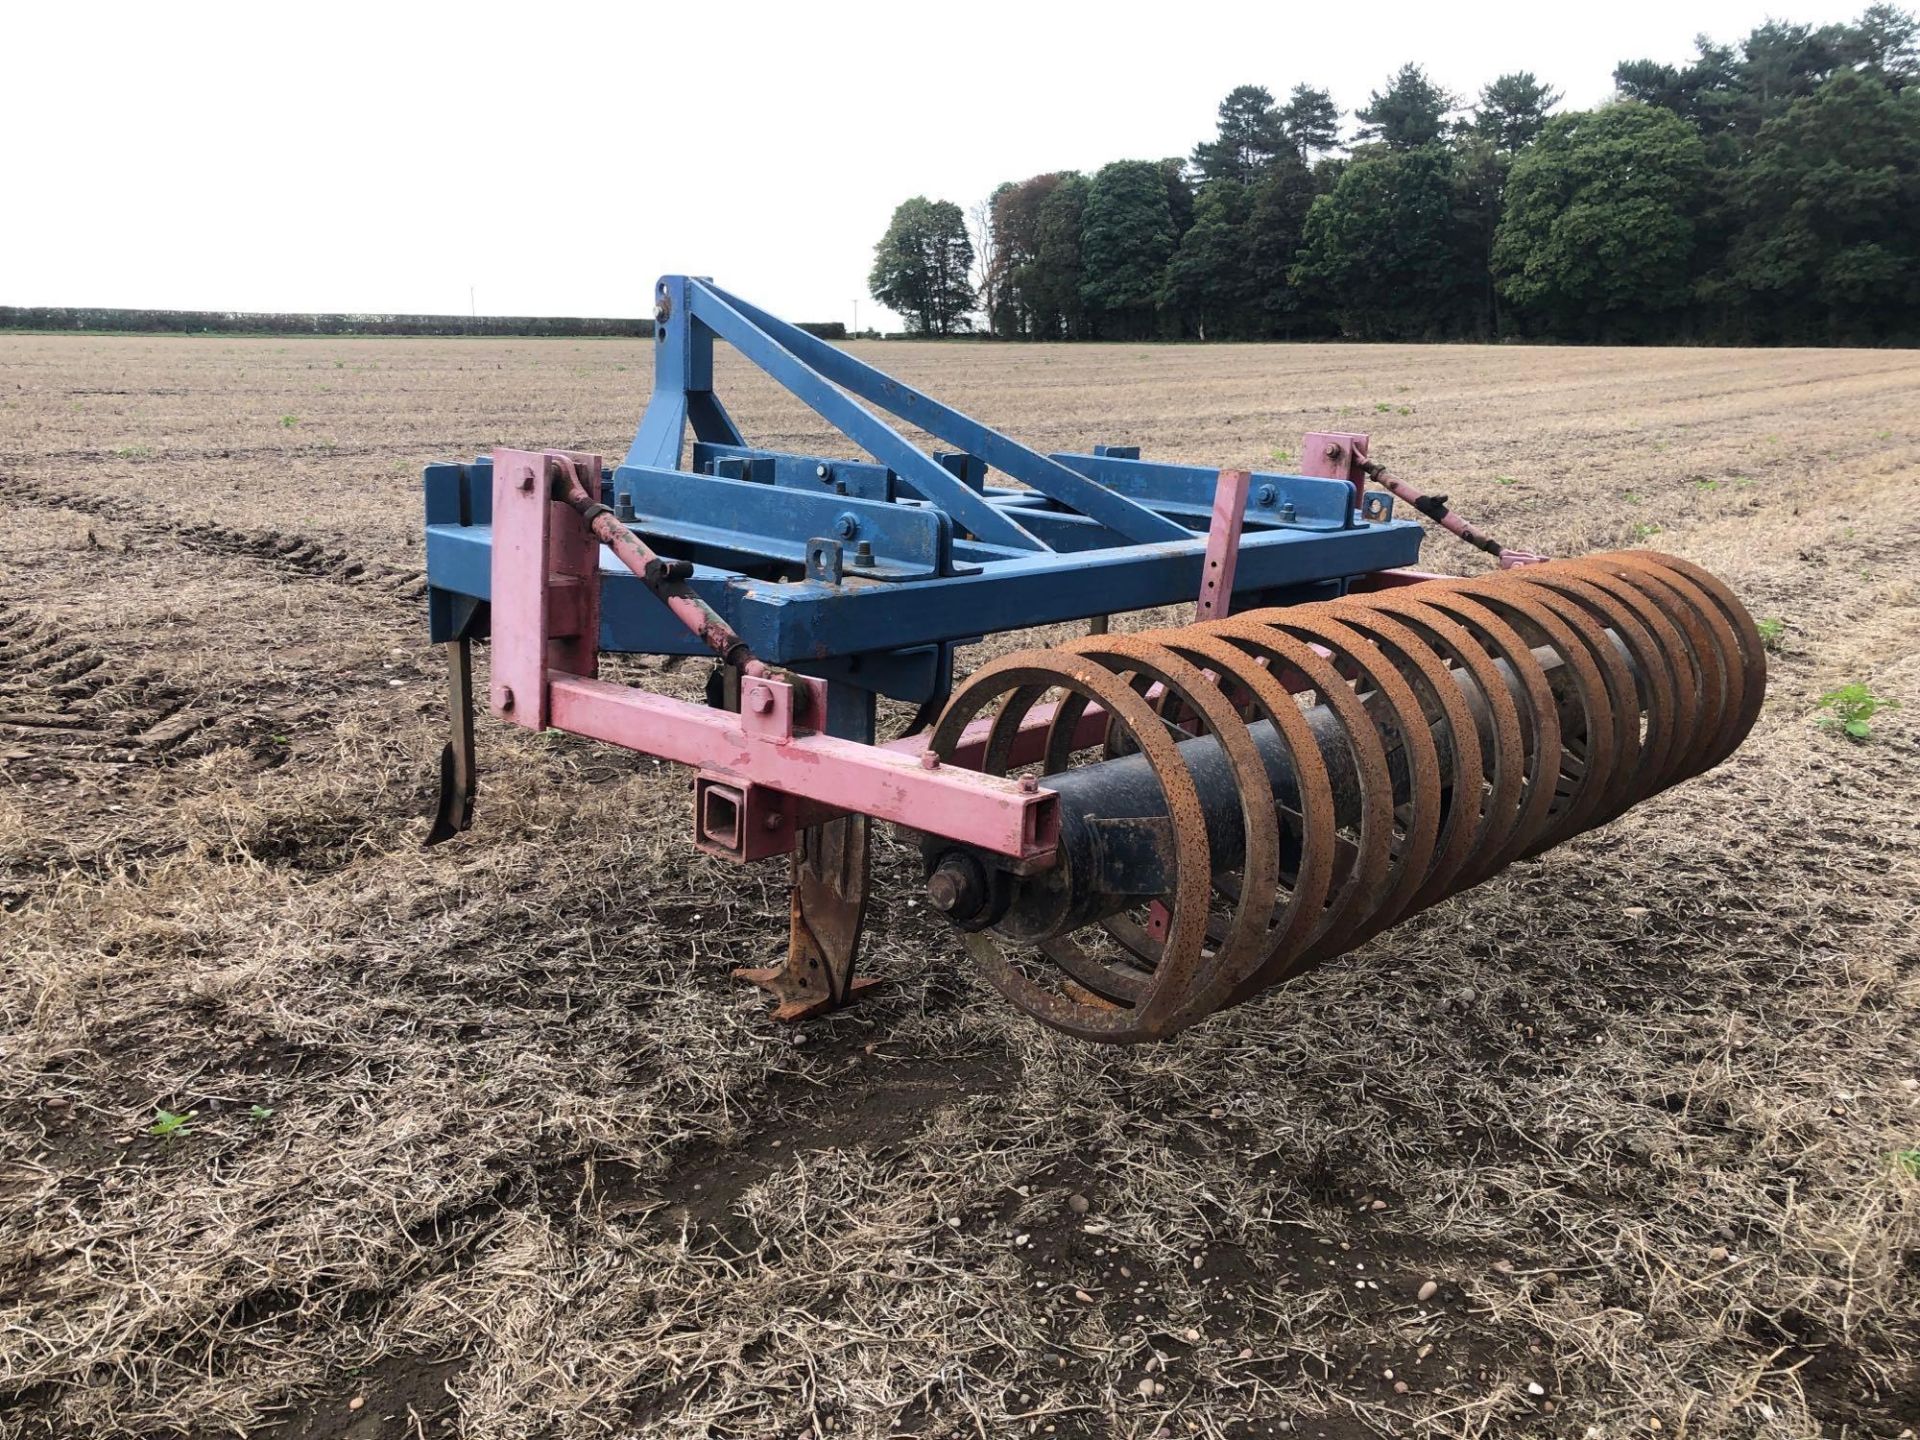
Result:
{"points": [[454, 812], [829, 907]]}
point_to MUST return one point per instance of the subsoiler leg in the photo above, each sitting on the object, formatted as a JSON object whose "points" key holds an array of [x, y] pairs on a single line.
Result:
{"points": [[830, 870], [458, 783]]}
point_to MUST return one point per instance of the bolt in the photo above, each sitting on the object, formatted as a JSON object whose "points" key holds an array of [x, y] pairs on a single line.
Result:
{"points": [[1287, 512], [759, 700], [847, 526], [863, 554], [506, 697], [1029, 784], [957, 887], [929, 760], [623, 508], [821, 472], [1267, 495], [526, 480], [774, 820], [1334, 452]]}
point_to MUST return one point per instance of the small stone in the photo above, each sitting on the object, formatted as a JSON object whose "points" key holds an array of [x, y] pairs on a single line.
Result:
{"points": [[1083, 1297], [1144, 1389], [1428, 1290], [1079, 1204], [953, 1222], [1653, 1422], [1125, 1273], [1158, 1388], [1717, 1254], [1536, 1389], [1246, 1353], [1190, 1335], [1378, 1205], [1386, 1374], [1198, 1261], [1466, 995], [1021, 1239], [1423, 1352], [1399, 1387], [58, 1102], [1503, 1267], [356, 1402]]}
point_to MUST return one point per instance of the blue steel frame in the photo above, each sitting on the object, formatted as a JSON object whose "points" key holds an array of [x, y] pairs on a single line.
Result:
{"points": [[868, 573]]}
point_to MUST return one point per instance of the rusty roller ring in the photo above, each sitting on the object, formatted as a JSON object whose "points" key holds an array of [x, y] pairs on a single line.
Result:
{"points": [[1354, 762]]}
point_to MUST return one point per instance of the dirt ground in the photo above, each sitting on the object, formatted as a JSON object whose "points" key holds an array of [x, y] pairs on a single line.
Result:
{"points": [[484, 1140]]}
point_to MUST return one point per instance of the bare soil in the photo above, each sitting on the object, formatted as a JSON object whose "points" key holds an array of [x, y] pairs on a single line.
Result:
{"points": [[484, 1141]]}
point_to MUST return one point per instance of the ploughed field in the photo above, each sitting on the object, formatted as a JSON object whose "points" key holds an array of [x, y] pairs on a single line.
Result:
{"points": [[484, 1140]]}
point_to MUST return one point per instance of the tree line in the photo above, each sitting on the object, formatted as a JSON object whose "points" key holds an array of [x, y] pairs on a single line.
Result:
{"points": [[1764, 192], [118, 320]]}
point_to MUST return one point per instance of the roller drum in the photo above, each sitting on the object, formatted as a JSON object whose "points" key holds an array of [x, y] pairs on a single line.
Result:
{"points": [[1242, 799]]}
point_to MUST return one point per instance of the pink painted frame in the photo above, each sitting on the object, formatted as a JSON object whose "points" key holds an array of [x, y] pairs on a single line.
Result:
{"points": [[545, 627]]}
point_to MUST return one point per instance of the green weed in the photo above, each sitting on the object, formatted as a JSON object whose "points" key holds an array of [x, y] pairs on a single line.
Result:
{"points": [[287, 422], [1850, 709], [1773, 633], [167, 1123]]}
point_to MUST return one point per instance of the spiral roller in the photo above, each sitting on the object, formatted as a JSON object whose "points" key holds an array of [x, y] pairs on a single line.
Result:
{"points": [[1245, 798]]}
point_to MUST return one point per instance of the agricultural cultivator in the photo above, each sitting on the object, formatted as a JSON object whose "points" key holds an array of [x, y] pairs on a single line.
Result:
{"points": [[1128, 832]]}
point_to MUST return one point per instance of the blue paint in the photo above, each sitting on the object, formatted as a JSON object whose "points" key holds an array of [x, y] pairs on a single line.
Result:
{"points": [[931, 553]]}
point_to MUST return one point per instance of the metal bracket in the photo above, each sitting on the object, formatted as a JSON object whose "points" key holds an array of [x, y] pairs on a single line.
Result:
{"points": [[823, 561]]}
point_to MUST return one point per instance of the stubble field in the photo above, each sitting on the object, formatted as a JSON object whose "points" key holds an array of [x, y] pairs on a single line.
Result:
{"points": [[484, 1141]]}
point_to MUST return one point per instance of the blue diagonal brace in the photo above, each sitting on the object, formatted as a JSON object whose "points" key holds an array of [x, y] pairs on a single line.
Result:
{"points": [[860, 425], [1125, 518]]}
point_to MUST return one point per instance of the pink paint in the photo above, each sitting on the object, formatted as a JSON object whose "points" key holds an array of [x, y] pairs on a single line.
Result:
{"points": [[1336, 455], [1223, 545], [890, 784]]}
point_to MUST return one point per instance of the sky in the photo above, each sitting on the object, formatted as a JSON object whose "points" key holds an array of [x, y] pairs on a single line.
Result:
{"points": [[553, 159]]}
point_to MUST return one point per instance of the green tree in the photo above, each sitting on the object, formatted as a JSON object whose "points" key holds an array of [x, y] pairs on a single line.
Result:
{"points": [[1480, 170], [1310, 122], [1250, 135], [1411, 112], [1207, 283], [1513, 110], [920, 266], [1060, 264], [1885, 43], [1019, 295], [1276, 229], [1180, 194], [1597, 238], [1126, 238], [1384, 251], [1829, 247]]}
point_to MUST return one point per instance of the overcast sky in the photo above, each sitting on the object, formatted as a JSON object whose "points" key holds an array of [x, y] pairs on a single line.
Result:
{"points": [[556, 157]]}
